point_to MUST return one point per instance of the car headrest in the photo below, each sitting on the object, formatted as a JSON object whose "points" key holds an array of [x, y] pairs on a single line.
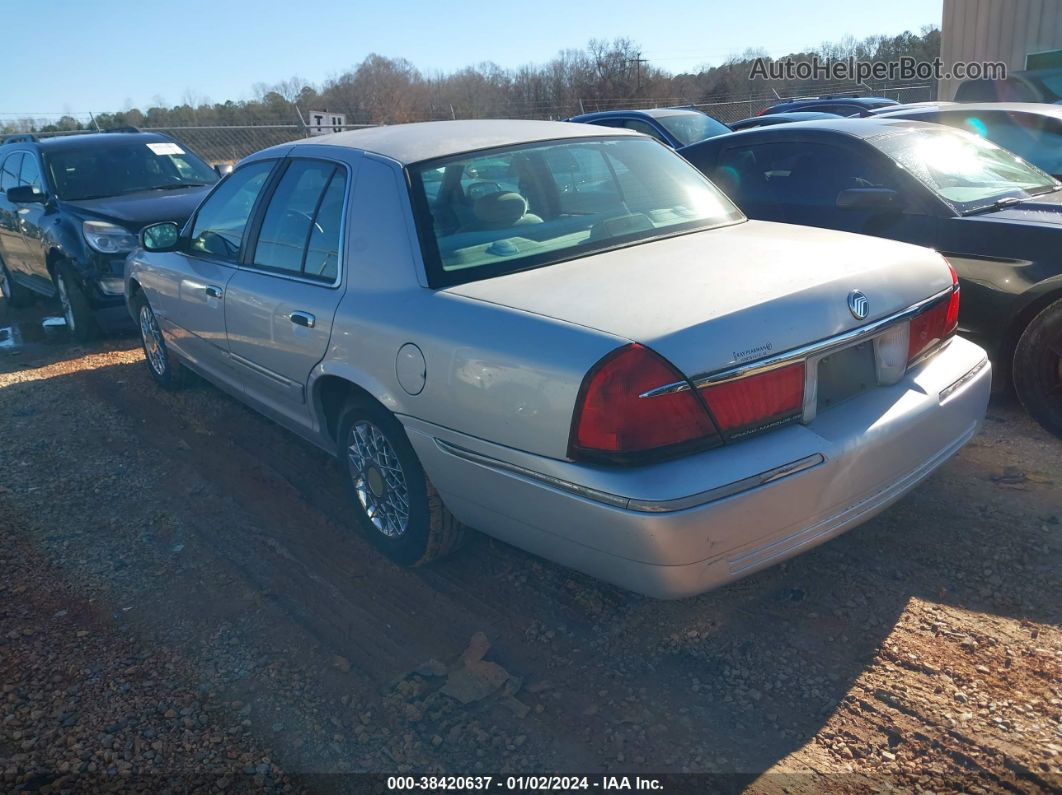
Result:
{"points": [[500, 209]]}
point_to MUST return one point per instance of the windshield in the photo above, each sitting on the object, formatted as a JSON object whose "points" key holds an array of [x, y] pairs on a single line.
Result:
{"points": [[967, 172], [95, 171], [689, 128], [522, 207]]}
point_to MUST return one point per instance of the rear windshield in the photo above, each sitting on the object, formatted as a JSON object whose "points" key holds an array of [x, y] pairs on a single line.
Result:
{"points": [[504, 210], [95, 171]]}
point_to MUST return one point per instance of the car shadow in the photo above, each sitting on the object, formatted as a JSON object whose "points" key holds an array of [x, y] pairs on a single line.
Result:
{"points": [[219, 518]]}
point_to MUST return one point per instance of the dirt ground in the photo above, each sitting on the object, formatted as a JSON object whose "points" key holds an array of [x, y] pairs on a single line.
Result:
{"points": [[184, 600]]}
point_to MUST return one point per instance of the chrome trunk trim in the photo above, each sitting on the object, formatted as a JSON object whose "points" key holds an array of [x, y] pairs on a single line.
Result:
{"points": [[819, 348]]}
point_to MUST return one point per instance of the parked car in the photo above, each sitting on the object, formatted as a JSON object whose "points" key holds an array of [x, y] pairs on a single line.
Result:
{"points": [[838, 104], [565, 337], [1034, 85], [780, 118], [673, 126], [1032, 130], [70, 210], [996, 218]]}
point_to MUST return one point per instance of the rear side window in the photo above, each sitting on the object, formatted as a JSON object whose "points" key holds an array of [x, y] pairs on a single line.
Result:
{"points": [[222, 219], [9, 171], [300, 230]]}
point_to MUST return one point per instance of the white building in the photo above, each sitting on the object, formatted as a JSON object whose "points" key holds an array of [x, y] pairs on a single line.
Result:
{"points": [[1023, 34]]}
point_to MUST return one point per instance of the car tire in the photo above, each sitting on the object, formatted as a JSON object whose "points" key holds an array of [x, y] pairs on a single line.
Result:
{"points": [[80, 319], [167, 372], [1038, 368], [15, 294], [379, 462]]}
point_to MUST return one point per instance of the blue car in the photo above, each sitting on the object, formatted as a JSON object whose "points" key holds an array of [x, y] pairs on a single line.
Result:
{"points": [[838, 104], [675, 127]]}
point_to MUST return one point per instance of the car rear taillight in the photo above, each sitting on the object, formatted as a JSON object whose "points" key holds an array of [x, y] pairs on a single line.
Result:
{"points": [[613, 422], [758, 401], [935, 324]]}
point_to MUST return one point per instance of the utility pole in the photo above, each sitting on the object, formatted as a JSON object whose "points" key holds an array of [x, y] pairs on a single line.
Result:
{"points": [[638, 67]]}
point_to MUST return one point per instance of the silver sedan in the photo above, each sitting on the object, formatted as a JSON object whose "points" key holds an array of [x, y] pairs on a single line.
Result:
{"points": [[567, 338]]}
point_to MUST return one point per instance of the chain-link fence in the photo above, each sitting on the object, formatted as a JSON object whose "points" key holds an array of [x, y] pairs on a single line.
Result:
{"points": [[218, 144], [226, 143]]}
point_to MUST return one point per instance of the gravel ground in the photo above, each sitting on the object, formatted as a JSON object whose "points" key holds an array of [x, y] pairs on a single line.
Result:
{"points": [[184, 600]]}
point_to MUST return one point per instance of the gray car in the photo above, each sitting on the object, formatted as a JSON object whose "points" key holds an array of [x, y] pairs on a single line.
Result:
{"points": [[567, 338]]}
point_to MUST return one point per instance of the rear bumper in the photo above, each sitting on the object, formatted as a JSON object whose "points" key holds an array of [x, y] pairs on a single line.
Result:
{"points": [[681, 527]]}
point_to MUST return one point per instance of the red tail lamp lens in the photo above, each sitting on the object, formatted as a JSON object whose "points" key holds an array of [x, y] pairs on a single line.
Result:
{"points": [[612, 419], [757, 401]]}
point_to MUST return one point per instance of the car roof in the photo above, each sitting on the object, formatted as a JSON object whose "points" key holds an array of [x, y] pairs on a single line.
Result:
{"points": [[413, 143], [863, 129], [652, 113], [846, 100], [104, 139], [791, 116], [1041, 108]]}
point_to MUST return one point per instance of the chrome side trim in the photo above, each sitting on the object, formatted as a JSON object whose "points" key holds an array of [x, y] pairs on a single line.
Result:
{"points": [[642, 506], [954, 387], [819, 348], [605, 497], [276, 378]]}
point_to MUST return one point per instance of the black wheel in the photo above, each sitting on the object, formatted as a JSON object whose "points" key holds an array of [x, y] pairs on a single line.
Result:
{"points": [[15, 294], [167, 372], [1038, 368], [80, 320], [396, 505]]}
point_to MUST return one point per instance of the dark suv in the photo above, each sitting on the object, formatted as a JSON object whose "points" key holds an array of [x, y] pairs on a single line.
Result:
{"points": [[71, 208]]}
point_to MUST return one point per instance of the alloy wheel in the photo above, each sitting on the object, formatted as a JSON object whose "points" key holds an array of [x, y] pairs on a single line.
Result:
{"points": [[149, 331], [379, 480]]}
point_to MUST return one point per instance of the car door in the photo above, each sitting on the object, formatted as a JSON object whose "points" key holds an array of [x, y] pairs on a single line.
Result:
{"points": [[10, 236], [280, 304], [189, 293], [32, 217]]}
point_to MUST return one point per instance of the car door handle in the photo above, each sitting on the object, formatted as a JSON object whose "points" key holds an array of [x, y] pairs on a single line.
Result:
{"points": [[303, 319], [212, 291]]}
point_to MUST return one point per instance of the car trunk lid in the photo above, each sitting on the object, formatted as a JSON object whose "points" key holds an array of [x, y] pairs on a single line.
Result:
{"points": [[717, 299]]}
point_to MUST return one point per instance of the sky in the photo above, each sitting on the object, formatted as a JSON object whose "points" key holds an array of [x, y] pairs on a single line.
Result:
{"points": [[106, 55]]}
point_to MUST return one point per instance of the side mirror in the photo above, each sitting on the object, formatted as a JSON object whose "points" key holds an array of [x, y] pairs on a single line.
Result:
{"points": [[223, 169], [160, 237], [869, 199], [26, 194]]}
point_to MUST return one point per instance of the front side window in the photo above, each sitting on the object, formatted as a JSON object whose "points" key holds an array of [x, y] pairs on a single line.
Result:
{"points": [[93, 171], [794, 182], [533, 205], [31, 174], [9, 171], [222, 219], [688, 128], [967, 172], [300, 230]]}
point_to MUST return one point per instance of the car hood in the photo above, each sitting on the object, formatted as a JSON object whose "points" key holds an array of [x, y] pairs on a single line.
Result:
{"points": [[1046, 209], [720, 297], [135, 210]]}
